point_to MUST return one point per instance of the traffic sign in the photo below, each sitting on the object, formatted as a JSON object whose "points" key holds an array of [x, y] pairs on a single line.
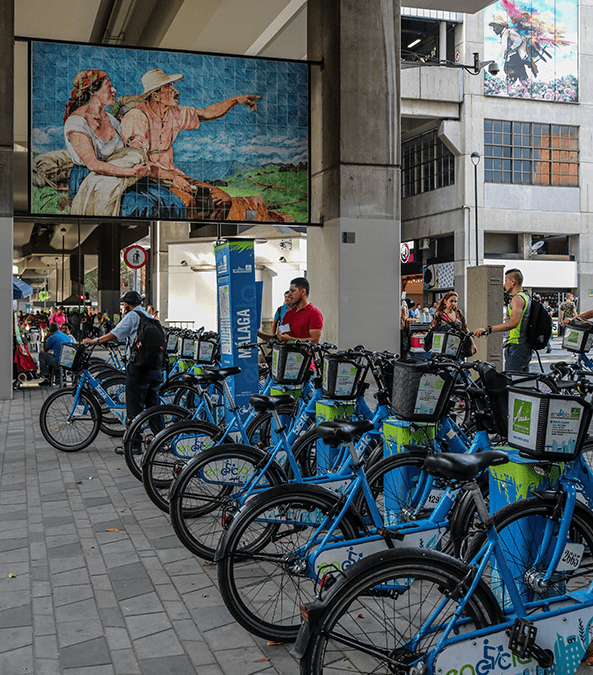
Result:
{"points": [[135, 256]]}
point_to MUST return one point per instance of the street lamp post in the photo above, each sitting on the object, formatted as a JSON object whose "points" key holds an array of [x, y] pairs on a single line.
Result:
{"points": [[475, 157], [63, 233]]}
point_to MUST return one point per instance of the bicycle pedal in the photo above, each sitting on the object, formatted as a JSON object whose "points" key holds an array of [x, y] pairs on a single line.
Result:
{"points": [[522, 643]]}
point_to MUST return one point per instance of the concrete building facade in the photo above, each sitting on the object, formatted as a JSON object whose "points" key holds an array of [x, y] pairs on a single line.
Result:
{"points": [[543, 229]]}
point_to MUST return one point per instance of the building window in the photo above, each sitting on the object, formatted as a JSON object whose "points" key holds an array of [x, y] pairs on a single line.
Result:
{"points": [[526, 153], [427, 164]]}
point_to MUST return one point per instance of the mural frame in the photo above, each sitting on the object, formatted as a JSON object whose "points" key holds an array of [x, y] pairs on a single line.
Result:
{"points": [[272, 143]]}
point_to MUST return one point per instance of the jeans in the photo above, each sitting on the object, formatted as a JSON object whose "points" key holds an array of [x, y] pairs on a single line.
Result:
{"points": [[517, 357], [46, 361], [142, 386]]}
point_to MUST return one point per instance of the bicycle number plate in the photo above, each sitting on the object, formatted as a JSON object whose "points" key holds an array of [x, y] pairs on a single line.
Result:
{"points": [[571, 557], [433, 498], [80, 410]]}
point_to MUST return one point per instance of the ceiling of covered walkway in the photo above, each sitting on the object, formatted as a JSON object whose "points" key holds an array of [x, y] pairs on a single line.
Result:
{"points": [[273, 28]]}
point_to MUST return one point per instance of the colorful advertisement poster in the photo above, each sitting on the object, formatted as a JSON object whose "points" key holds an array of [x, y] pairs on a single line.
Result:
{"points": [[156, 135], [535, 45]]}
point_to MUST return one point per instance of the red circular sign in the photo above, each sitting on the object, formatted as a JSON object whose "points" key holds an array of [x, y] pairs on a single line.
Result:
{"points": [[135, 256]]}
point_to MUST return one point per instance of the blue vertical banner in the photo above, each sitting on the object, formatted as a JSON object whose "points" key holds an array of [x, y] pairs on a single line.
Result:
{"points": [[238, 315]]}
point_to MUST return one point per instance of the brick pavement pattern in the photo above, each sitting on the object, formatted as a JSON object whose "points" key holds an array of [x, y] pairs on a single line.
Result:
{"points": [[93, 580]]}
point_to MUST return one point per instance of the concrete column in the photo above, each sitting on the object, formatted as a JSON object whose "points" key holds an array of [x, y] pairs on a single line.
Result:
{"points": [[443, 40], [484, 308], [76, 288], [6, 191], [108, 277], [164, 233], [353, 261]]}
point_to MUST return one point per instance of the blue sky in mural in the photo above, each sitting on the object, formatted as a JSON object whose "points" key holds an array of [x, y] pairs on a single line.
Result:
{"points": [[276, 133], [543, 33]]}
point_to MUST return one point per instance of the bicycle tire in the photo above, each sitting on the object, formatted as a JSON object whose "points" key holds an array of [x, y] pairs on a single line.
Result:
{"points": [[74, 434], [520, 527], [261, 578], [187, 396], [161, 464], [259, 431], [366, 626], [304, 450], [115, 387], [201, 508], [144, 428]]}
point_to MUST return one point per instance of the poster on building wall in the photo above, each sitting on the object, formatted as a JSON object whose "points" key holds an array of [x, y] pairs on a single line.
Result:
{"points": [[133, 133], [535, 45]]}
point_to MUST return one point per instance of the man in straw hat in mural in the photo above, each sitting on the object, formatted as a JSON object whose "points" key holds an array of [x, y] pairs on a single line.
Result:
{"points": [[153, 126]]}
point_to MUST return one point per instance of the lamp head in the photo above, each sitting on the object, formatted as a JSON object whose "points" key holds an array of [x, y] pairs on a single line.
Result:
{"points": [[475, 157]]}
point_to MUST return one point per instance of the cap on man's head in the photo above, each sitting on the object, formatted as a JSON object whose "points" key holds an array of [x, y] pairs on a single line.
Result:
{"points": [[132, 298]]}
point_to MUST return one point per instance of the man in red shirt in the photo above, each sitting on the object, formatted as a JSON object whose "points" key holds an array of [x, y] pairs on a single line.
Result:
{"points": [[302, 321]]}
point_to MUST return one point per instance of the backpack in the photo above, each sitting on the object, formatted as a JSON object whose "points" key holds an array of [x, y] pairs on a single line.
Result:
{"points": [[148, 348], [539, 326]]}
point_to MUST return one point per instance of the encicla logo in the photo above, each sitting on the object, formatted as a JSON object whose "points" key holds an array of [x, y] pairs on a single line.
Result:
{"points": [[522, 417], [573, 337]]}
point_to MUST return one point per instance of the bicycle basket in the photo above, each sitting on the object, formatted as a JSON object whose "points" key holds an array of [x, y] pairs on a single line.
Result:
{"points": [[577, 338], [342, 376], [419, 394], [290, 363], [449, 342], [71, 356], [205, 350], [545, 426], [187, 348], [496, 386], [172, 343]]}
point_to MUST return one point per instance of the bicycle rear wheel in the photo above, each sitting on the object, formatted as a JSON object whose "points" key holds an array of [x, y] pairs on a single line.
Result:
{"points": [[375, 619], [67, 427], [203, 500], [522, 528], [263, 575], [115, 387]]}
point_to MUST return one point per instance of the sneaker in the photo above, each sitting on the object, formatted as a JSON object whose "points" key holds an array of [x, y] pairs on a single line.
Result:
{"points": [[548, 350]]}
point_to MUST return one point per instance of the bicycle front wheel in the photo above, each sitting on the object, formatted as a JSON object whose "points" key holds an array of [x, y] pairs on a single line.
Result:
{"points": [[389, 611], [70, 423], [144, 428], [263, 574]]}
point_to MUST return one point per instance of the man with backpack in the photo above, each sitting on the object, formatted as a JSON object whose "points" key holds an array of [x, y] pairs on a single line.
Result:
{"points": [[517, 350], [145, 353]]}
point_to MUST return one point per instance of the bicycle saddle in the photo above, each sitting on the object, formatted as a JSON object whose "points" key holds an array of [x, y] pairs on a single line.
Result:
{"points": [[220, 374], [262, 402], [342, 431], [463, 467]]}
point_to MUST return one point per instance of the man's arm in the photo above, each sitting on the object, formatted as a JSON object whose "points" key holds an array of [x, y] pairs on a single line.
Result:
{"points": [[217, 110], [517, 304], [585, 316]]}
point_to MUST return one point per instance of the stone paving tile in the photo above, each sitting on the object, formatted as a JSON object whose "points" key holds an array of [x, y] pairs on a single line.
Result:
{"points": [[87, 601]]}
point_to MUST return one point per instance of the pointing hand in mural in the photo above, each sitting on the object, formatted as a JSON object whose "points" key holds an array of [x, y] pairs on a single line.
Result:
{"points": [[153, 126]]}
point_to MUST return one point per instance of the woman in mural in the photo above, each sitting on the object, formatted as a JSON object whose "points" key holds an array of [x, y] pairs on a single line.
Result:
{"points": [[108, 179]]}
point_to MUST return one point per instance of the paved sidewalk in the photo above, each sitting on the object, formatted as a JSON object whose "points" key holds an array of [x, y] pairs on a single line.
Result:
{"points": [[93, 580]]}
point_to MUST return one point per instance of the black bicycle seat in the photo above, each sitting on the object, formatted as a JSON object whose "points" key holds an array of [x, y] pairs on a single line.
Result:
{"points": [[342, 431], [462, 467], [261, 402]]}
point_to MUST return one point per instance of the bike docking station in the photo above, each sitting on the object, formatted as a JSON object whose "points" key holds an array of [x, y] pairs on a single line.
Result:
{"points": [[239, 309]]}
